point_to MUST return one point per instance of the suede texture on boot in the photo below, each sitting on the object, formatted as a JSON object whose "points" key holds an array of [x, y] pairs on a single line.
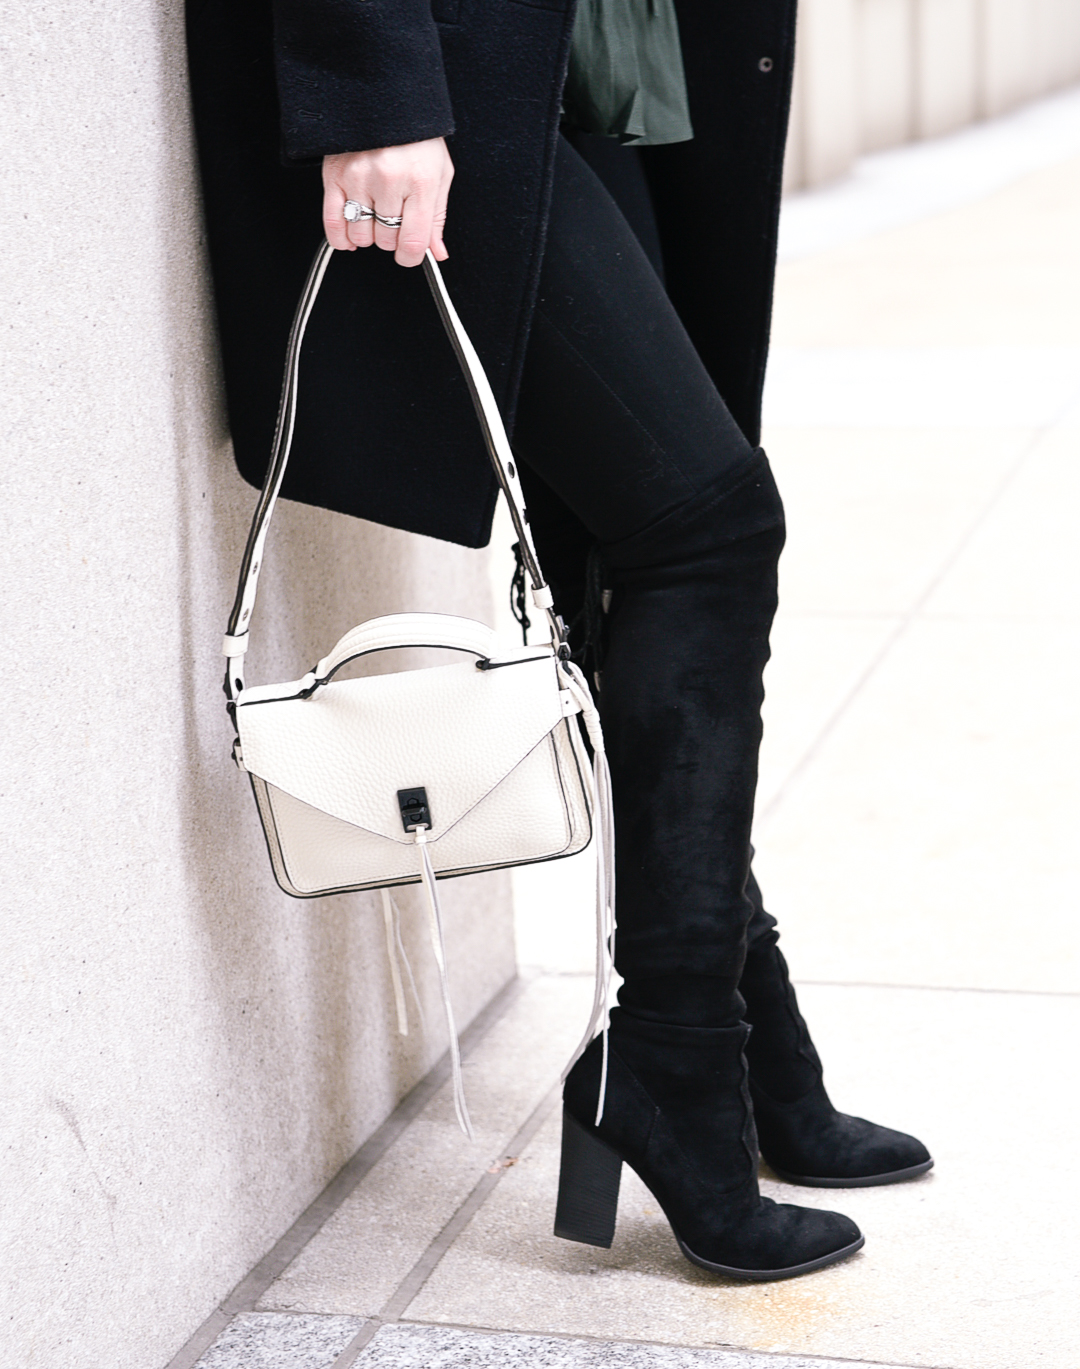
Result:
{"points": [[687, 641], [808, 1142], [801, 1134], [678, 1112]]}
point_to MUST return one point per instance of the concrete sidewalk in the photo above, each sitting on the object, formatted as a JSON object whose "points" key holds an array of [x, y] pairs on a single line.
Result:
{"points": [[916, 835]]}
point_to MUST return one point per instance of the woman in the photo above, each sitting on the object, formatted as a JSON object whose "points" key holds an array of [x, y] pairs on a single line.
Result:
{"points": [[624, 330]]}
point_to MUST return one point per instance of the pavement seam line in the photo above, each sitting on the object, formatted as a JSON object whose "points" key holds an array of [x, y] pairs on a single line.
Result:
{"points": [[410, 1286], [277, 1259], [813, 750], [935, 988]]}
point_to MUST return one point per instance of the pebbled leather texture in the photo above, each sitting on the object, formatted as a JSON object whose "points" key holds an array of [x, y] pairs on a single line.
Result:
{"points": [[539, 811], [504, 768], [455, 730]]}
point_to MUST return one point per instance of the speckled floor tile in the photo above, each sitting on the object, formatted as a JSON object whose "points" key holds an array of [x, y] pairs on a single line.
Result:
{"points": [[972, 1267], [370, 1244], [267, 1340], [872, 513], [1021, 563], [436, 1347], [941, 807]]}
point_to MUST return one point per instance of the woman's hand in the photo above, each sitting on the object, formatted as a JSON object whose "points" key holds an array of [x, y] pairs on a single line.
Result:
{"points": [[411, 182]]}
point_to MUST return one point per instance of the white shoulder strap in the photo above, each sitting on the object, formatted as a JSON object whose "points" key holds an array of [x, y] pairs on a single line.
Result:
{"points": [[491, 424]]}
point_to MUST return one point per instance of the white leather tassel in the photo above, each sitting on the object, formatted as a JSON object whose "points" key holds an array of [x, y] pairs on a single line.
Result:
{"points": [[403, 959], [604, 818], [393, 941], [428, 875]]}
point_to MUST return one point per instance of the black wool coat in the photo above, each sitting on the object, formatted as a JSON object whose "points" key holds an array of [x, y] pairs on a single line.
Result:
{"points": [[384, 428]]}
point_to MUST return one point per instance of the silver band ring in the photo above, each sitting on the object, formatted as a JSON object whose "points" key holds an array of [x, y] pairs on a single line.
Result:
{"points": [[389, 220]]}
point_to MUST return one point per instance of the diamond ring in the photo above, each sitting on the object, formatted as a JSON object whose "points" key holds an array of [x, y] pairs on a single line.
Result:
{"points": [[389, 220], [353, 212]]}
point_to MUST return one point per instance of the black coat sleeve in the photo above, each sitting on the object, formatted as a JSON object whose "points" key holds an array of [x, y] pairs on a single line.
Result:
{"points": [[358, 74]]}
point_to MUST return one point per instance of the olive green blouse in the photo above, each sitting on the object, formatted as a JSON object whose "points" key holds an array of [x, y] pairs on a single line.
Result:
{"points": [[626, 77]]}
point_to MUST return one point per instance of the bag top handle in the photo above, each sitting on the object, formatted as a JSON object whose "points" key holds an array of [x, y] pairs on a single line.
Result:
{"points": [[491, 425]]}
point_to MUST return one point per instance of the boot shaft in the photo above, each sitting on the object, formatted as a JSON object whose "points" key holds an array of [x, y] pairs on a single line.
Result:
{"points": [[782, 1058], [673, 1089]]}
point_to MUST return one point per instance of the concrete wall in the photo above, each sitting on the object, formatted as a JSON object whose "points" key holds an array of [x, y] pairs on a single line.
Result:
{"points": [[188, 1054], [872, 74]]}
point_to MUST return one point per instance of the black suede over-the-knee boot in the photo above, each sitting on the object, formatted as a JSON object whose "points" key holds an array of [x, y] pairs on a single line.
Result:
{"points": [[802, 1135], [681, 697], [693, 599], [677, 1111], [626, 446]]}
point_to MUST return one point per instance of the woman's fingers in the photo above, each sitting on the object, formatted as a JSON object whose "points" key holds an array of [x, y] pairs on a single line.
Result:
{"points": [[388, 204], [334, 222], [438, 224], [410, 183], [360, 231], [414, 236]]}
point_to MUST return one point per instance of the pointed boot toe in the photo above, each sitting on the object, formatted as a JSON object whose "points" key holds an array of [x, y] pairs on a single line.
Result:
{"points": [[808, 1142], [802, 1136], [677, 1110], [782, 1241]]}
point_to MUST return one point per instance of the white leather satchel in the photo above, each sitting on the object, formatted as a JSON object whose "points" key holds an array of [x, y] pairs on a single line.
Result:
{"points": [[422, 774]]}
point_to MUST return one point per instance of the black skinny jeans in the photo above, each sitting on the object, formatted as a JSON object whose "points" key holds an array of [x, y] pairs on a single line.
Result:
{"points": [[628, 447]]}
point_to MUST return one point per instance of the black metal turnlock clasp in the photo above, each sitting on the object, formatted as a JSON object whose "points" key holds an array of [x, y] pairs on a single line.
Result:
{"points": [[414, 808]]}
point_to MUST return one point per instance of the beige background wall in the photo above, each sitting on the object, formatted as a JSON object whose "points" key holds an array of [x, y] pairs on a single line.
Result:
{"points": [[872, 74], [187, 1054]]}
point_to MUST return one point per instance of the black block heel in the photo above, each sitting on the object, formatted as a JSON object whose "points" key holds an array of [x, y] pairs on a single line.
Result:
{"points": [[588, 1187], [677, 1110]]}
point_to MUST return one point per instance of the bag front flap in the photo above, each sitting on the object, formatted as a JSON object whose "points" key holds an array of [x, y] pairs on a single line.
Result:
{"points": [[453, 730]]}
